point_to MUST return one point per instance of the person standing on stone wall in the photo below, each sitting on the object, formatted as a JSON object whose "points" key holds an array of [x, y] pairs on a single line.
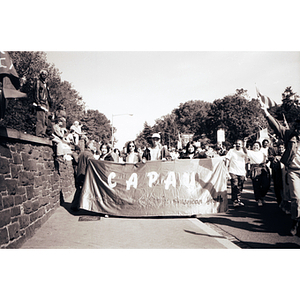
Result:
{"points": [[43, 102]]}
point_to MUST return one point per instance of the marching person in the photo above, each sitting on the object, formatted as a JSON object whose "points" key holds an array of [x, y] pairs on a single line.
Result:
{"points": [[106, 153], [83, 160], [291, 159], [235, 159], [190, 152], [132, 154], [259, 173], [42, 103], [156, 151]]}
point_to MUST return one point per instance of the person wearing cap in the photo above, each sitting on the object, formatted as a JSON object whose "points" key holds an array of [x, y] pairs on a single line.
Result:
{"points": [[43, 102], [156, 151], [291, 160]]}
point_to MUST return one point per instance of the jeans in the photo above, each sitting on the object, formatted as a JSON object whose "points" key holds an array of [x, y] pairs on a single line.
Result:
{"points": [[293, 178], [237, 184]]}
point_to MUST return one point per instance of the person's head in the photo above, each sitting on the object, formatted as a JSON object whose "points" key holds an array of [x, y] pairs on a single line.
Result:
{"points": [[155, 139], [90, 145], [265, 143], [77, 149], [131, 147], [281, 149], [117, 151], [190, 148], [104, 148], [256, 146], [76, 123], [238, 144], [43, 74]]}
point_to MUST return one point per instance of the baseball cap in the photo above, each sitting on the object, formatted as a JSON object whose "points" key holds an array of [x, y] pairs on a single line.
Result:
{"points": [[155, 135]]}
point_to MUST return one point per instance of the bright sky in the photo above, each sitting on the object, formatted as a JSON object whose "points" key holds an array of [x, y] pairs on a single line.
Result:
{"points": [[151, 84]]}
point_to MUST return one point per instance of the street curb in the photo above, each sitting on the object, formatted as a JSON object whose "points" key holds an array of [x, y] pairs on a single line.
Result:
{"points": [[222, 240]]}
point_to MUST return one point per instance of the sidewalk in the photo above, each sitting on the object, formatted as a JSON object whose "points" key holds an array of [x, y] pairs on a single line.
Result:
{"points": [[86, 230]]}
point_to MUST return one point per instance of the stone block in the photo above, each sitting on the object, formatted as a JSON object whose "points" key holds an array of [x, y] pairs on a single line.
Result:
{"points": [[17, 158], [40, 167], [15, 211], [38, 181], [36, 215], [48, 155], [4, 166], [24, 221], [29, 163], [5, 151], [25, 158], [1, 203], [27, 205], [11, 186], [3, 236], [38, 191], [15, 169], [29, 192], [35, 154], [4, 217], [14, 230], [26, 148], [20, 190], [19, 199], [8, 201], [35, 205], [2, 184], [26, 178]]}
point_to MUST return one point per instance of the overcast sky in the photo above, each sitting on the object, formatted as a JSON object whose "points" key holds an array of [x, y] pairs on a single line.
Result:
{"points": [[151, 84]]}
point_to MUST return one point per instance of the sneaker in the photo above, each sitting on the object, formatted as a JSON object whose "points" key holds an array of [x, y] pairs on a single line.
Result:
{"points": [[237, 203], [259, 202]]}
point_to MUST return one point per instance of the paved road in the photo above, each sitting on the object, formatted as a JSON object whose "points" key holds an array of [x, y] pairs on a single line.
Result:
{"points": [[86, 230], [248, 227], [254, 227]]}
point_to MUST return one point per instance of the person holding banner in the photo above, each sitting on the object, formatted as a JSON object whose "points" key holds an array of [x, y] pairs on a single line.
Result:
{"points": [[190, 152], [83, 161], [291, 160], [105, 153], [157, 151], [235, 159], [132, 154]]}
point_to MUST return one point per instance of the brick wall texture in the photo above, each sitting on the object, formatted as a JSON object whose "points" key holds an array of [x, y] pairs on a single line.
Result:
{"points": [[32, 186]]}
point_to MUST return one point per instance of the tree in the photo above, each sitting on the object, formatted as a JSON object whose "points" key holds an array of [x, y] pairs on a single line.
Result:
{"points": [[144, 137], [20, 113], [290, 107], [237, 115], [97, 126]]}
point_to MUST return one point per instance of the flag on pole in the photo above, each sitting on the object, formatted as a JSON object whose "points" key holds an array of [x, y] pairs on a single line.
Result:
{"points": [[265, 99], [9, 82]]}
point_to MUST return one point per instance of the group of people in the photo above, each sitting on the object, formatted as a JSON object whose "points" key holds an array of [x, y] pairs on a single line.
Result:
{"points": [[261, 163]]}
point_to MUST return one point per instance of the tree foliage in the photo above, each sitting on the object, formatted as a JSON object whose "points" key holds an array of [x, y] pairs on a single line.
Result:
{"points": [[20, 114]]}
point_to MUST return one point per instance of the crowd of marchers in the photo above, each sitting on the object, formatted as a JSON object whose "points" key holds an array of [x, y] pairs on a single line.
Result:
{"points": [[262, 163]]}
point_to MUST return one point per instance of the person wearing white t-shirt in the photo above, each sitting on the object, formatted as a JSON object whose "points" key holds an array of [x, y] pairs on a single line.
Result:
{"points": [[259, 173], [236, 162], [156, 151]]}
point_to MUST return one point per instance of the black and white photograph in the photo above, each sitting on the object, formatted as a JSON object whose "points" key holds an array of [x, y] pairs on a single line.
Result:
{"points": [[158, 142]]}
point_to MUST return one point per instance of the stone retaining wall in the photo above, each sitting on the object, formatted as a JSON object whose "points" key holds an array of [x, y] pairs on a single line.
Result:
{"points": [[32, 185]]}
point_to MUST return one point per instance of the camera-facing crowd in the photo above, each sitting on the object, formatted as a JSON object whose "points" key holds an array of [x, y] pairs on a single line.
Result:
{"points": [[258, 162]]}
